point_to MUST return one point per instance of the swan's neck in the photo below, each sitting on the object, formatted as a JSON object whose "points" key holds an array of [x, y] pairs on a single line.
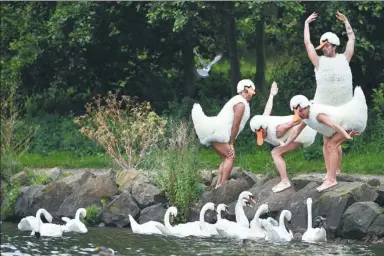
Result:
{"points": [[239, 211], [281, 220], [166, 219], [202, 219], [309, 210], [259, 212], [77, 216]]}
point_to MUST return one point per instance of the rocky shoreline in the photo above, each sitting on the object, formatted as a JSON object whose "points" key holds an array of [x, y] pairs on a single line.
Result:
{"points": [[354, 208]]}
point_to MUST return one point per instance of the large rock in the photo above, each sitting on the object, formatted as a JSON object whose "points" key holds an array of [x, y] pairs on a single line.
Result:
{"points": [[335, 201], [20, 178], [252, 178], [264, 195], [29, 201], [297, 204], [127, 179], [358, 218], [91, 192], [147, 194], [380, 197], [206, 177], [52, 173], [225, 194], [116, 212], [377, 226], [302, 180], [154, 212]]}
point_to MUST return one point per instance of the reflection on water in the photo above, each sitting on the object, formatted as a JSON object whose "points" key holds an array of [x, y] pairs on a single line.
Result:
{"points": [[124, 242]]}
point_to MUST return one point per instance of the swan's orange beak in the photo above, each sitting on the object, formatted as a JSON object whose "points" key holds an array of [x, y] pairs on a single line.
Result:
{"points": [[296, 117], [259, 135], [321, 45], [251, 91]]}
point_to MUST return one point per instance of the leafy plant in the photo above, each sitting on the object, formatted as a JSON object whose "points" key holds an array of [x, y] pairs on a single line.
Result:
{"points": [[125, 128], [179, 173], [93, 215]]}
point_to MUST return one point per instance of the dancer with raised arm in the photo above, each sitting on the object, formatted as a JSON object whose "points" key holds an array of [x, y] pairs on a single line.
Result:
{"points": [[221, 131], [333, 75], [274, 129], [337, 123]]}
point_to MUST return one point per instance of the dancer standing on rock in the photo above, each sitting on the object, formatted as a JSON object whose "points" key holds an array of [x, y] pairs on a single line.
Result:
{"points": [[333, 78], [221, 131]]}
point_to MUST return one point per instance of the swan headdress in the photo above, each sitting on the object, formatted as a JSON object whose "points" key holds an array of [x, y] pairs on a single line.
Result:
{"points": [[245, 83], [328, 37]]}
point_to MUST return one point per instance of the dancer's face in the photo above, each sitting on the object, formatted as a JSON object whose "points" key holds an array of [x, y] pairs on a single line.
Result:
{"points": [[248, 93], [329, 50], [304, 113]]}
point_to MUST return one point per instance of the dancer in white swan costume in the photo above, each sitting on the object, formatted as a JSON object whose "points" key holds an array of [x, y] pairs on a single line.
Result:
{"points": [[333, 74], [337, 123], [221, 131], [274, 129]]}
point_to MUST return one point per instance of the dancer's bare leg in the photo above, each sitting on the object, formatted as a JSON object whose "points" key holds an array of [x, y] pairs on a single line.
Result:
{"points": [[326, 157], [277, 155], [340, 154], [226, 166], [220, 171], [332, 149], [283, 128]]}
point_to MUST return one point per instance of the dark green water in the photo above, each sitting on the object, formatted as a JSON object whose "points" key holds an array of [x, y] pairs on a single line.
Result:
{"points": [[124, 242]]}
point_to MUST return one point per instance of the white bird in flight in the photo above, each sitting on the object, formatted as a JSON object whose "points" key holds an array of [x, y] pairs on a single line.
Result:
{"points": [[205, 70]]}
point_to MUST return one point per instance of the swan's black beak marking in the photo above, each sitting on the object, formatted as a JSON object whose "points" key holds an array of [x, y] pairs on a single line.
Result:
{"points": [[37, 235]]}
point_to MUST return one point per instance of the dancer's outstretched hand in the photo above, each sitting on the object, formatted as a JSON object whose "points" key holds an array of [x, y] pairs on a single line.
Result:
{"points": [[341, 16], [311, 18], [274, 89]]}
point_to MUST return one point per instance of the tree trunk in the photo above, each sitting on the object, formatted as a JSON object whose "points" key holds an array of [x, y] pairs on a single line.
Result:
{"points": [[230, 34], [188, 65], [260, 55]]}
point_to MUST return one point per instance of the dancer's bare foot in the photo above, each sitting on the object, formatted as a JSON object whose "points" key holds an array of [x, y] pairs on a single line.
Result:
{"points": [[326, 176], [218, 185], [283, 185], [326, 184]]}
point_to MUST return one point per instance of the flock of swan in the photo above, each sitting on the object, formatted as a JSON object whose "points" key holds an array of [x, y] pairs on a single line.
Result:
{"points": [[38, 228], [257, 229]]}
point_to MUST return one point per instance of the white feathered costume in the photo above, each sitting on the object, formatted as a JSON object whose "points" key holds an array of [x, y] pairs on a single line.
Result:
{"points": [[350, 116], [218, 128], [333, 76]]}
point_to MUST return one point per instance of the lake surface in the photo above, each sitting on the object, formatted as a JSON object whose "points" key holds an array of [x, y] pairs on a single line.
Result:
{"points": [[124, 242]]}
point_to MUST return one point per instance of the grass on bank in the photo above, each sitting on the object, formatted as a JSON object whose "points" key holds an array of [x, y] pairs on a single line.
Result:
{"points": [[259, 161]]}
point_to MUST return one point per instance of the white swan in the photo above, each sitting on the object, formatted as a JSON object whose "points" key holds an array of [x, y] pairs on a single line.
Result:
{"points": [[75, 225], [352, 115], [212, 227], [148, 228], [236, 230], [218, 128], [196, 228], [284, 234], [313, 234], [255, 224], [270, 233], [27, 223], [241, 218], [259, 123], [46, 229]]}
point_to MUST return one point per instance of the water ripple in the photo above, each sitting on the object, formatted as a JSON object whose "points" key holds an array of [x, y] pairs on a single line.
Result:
{"points": [[122, 241]]}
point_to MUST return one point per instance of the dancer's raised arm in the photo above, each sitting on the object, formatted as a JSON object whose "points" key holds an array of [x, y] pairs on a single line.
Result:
{"points": [[269, 105], [307, 41], [349, 50]]}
